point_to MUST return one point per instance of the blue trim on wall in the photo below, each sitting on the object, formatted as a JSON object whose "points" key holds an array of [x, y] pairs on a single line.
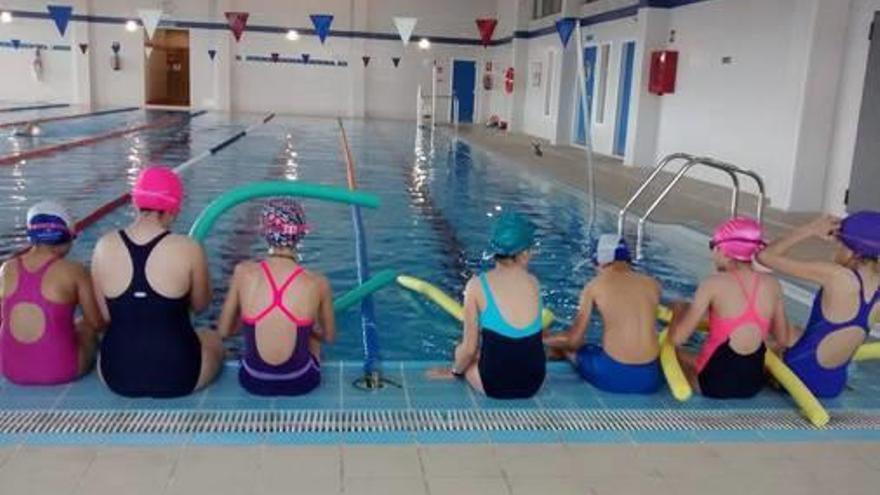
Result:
{"points": [[613, 15]]}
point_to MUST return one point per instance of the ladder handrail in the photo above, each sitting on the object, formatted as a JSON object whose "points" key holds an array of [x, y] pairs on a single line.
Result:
{"points": [[621, 216], [732, 170]]}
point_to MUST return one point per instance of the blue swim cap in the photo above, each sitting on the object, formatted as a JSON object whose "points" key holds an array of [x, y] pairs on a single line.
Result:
{"points": [[861, 233], [610, 248], [511, 235], [49, 223]]}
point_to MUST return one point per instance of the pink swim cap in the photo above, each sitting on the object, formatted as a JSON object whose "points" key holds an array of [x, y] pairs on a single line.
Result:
{"points": [[158, 189], [739, 238]]}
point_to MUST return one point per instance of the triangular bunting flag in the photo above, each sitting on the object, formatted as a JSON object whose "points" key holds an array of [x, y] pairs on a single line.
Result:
{"points": [[15, 43], [366, 60], [237, 23], [148, 50], [150, 19], [487, 30], [306, 58], [565, 27], [396, 61], [405, 28], [322, 24], [83, 47], [115, 47], [275, 57], [212, 54], [61, 15]]}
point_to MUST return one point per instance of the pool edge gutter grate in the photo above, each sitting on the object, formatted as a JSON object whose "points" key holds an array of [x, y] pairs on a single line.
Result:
{"points": [[175, 422]]}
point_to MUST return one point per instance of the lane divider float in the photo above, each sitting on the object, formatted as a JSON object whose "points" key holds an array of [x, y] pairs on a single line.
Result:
{"points": [[34, 107], [68, 117], [369, 328], [55, 148]]}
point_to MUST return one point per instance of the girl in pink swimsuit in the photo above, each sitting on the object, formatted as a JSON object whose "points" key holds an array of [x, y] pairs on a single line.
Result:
{"points": [[743, 305], [40, 342]]}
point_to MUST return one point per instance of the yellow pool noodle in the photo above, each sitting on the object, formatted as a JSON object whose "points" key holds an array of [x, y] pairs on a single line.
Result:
{"points": [[681, 389], [448, 304], [868, 352]]}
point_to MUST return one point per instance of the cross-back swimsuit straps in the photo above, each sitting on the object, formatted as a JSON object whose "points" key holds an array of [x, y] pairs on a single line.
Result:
{"points": [[301, 373], [54, 357], [802, 357], [722, 372], [150, 348], [512, 362]]}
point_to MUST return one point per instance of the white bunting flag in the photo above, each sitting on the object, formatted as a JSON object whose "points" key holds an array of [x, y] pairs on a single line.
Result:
{"points": [[405, 27], [150, 19]]}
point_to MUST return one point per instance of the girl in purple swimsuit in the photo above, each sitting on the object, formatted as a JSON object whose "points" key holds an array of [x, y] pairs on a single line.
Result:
{"points": [[848, 301], [286, 311]]}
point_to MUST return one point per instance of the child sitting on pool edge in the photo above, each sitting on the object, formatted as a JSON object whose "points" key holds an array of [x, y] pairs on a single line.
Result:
{"points": [[286, 311], [744, 307], [627, 361], [501, 354], [41, 341]]}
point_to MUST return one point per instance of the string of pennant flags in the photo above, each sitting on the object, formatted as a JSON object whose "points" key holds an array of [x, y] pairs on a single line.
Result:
{"points": [[237, 22]]}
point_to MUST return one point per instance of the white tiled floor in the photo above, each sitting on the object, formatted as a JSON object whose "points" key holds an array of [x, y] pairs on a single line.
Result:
{"points": [[597, 469]]}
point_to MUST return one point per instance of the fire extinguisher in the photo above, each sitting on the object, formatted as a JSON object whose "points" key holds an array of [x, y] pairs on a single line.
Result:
{"points": [[508, 80]]}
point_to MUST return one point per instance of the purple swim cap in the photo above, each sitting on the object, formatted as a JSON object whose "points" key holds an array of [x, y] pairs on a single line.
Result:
{"points": [[861, 233]]}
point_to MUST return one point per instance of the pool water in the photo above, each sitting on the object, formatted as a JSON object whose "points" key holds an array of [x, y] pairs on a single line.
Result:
{"points": [[439, 197]]}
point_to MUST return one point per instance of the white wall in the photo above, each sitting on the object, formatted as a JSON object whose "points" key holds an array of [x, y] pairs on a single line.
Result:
{"points": [[849, 103], [17, 82]]}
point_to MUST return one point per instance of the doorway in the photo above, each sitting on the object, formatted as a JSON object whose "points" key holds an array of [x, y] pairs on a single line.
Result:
{"points": [[627, 61], [580, 134], [168, 68], [464, 82], [865, 178]]}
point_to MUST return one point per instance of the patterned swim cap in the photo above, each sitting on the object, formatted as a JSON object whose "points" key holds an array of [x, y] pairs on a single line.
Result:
{"points": [[283, 222]]}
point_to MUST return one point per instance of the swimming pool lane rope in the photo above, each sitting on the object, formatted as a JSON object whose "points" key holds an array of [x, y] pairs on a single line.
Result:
{"points": [[372, 358], [59, 118], [168, 121], [123, 199]]}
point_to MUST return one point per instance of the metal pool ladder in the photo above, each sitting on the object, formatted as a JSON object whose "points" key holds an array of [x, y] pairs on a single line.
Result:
{"points": [[690, 161]]}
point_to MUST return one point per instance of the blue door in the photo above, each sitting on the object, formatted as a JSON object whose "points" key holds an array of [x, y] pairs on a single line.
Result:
{"points": [[580, 135], [464, 79], [627, 59]]}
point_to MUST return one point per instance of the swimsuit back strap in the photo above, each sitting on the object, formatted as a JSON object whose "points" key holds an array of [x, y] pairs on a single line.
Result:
{"points": [[30, 284], [487, 291], [139, 254], [278, 294]]}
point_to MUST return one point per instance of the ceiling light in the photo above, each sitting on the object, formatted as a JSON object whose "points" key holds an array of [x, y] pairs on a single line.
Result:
{"points": [[292, 35], [5, 17], [425, 44], [131, 26]]}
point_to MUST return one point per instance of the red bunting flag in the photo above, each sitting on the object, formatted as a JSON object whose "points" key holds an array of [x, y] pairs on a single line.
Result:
{"points": [[487, 30], [237, 23]]}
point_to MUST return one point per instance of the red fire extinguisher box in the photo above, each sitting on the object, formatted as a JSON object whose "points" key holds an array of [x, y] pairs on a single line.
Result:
{"points": [[664, 65]]}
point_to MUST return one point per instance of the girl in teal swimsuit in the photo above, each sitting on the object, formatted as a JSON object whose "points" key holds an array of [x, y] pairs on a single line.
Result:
{"points": [[501, 354]]}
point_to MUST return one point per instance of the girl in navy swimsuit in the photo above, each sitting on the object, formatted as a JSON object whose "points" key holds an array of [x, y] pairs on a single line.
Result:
{"points": [[279, 303]]}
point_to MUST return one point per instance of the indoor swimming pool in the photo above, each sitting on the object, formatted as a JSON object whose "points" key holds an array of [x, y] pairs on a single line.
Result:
{"points": [[439, 197]]}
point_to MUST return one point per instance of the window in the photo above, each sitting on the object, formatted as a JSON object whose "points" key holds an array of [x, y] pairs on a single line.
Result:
{"points": [[604, 57], [544, 8], [548, 88]]}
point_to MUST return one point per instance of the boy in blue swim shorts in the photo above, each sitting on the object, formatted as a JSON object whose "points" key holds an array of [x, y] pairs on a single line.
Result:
{"points": [[627, 361]]}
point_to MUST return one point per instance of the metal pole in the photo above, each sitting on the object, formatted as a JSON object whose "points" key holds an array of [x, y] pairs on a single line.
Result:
{"points": [[588, 133], [419, 111], [433, 97], [455, 114], [621, 217]]}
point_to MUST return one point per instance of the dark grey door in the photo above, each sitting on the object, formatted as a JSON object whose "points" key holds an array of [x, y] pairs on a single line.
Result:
{"points": [[864, 189]]}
